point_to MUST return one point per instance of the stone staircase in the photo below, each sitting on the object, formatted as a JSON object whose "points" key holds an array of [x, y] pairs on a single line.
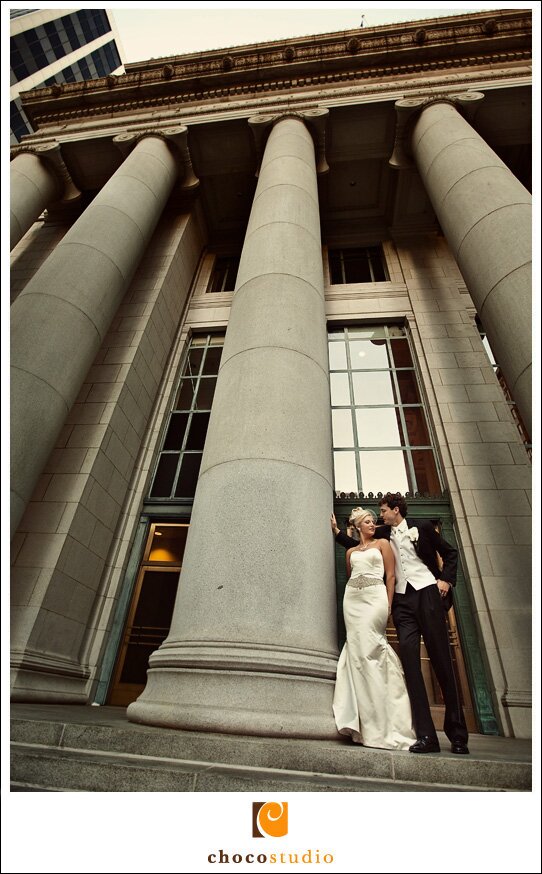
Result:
{"points": [[65, 748]]}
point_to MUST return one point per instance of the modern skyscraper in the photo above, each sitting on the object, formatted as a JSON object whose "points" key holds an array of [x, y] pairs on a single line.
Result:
{"points": [[52, 46]]}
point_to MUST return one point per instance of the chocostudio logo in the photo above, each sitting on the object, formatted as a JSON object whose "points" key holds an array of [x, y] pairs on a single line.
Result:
{"points": [[270, 820]]}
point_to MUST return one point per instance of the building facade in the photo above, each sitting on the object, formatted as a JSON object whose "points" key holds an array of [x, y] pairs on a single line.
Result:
{"points": [[52, 46], [260, 292]]}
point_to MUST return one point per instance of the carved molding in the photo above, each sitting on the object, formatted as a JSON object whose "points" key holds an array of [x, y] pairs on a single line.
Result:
{"points": [[517, 698], [43, 663], [190, 95]]}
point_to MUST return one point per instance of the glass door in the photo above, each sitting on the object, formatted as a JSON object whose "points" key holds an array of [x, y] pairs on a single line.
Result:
{"points": [[151, 608]]}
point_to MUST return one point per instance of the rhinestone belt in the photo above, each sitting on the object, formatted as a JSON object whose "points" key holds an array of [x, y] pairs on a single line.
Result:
{"points": [[361, 582]]}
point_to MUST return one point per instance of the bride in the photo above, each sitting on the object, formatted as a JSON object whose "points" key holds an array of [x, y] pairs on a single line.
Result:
{"points": [[371, 702]]}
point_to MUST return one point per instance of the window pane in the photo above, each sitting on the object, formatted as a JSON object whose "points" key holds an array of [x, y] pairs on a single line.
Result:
{"points": [[335, 268], [346, 479], [377, 263], [343, 432], [340, 392], [383, 471], [356, 266], [193, 363], [427, 479], [401, 353], [379, 427], [373, 388], [408, 387], [231, 278], [337, 356], [185, 395], [217, 279], [198, 430], [175, 432], [163, 481], [368, 354], [224, 274], [206, 392], [188, 477], [418, 435], [373, 333], [168, 543], [212, 360]]}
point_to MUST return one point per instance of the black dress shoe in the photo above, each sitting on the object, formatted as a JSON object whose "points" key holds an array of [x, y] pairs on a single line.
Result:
{"points": [[425, 745], [460, 748]]}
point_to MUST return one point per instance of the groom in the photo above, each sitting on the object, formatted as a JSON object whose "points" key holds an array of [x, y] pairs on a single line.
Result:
{"points": [[423, 591]]}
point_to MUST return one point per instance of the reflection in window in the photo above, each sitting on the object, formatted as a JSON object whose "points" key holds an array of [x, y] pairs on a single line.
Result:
{"points": [[381, 439], [179, 462]]}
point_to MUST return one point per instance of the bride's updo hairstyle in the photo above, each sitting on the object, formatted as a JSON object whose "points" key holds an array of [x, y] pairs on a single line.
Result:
{"points": [[358, 514]]}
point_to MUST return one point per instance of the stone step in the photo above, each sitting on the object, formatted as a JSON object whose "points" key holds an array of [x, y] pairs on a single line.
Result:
{"points": [[36, 768], [100, 741]]}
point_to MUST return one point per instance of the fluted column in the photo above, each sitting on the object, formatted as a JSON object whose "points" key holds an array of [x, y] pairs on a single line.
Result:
{"points": [[485, 214], [61, 317], [252, 647]]}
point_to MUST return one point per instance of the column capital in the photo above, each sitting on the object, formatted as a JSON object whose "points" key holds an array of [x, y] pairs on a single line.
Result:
{"points": [[409, 108], [51, 155], [177, 137], [315, 121]]}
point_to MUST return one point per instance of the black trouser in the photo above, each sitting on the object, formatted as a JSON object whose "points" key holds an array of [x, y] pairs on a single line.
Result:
{"points": [[418, 613]]}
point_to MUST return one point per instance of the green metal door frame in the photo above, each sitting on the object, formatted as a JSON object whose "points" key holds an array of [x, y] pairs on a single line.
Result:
{"points": [[179, 512]]}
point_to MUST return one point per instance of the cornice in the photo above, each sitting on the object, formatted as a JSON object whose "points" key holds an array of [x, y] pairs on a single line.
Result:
{"points": [[357, 56], [234, 110]]}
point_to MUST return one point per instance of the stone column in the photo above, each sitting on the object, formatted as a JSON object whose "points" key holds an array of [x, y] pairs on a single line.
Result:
{"points": [[38, 178], [61, 317], [485, 214], [252, 647]]}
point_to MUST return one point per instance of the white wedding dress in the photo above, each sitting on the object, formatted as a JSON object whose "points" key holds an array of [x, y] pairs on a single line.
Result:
{"points": [[371, 702]]}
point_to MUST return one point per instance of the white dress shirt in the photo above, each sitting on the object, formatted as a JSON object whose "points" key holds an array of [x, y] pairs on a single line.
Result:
{"points": [[409, 568]]}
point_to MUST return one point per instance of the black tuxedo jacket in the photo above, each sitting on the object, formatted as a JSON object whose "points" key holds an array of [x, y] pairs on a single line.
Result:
{"points": [[428, 544]]}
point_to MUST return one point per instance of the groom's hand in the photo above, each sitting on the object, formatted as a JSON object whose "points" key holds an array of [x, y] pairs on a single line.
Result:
{"points": [[334, 527], [443, 587]]}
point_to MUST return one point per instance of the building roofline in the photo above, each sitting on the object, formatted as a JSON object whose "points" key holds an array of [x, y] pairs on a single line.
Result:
{"points": [[420, 47]]}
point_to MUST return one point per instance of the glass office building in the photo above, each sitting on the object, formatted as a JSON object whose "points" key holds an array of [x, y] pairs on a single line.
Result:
{"points": [[48, 48]]}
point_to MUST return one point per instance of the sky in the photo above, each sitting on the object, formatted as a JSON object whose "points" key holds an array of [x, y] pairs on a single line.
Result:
{"points": [[179, 28]]}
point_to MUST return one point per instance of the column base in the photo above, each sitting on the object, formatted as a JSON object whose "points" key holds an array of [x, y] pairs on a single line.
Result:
{"points": [[234, 702]]}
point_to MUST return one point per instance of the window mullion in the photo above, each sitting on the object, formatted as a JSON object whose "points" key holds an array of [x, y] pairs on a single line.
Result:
{"points": [[353, 412]]}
